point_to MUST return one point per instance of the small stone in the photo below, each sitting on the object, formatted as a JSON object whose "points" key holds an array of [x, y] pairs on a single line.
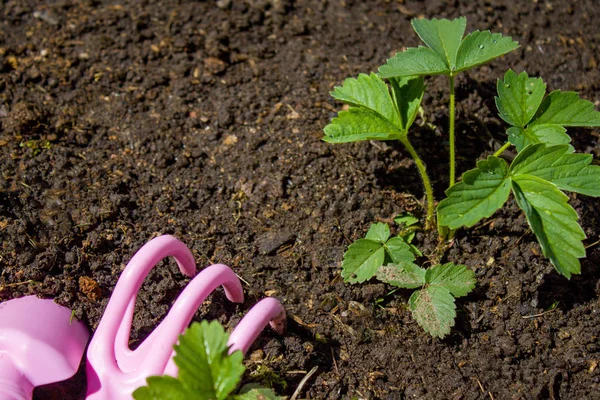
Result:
{"points": [[214, 66], [271, 241], [257, 355]]}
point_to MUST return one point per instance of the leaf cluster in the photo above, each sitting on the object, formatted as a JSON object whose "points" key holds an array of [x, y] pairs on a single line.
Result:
{"points": [[390, 259], [537, 118], [432, 306], [206, 370], [536, 177], [377, 112], [447, 52]]}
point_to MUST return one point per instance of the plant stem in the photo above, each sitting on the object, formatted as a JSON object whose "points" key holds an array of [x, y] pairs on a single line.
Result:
{"points": [[452, 155], [430, 221], [501, 149]]}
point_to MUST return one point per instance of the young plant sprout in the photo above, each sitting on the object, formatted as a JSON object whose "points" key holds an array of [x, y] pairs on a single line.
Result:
{"points": [[447, 53], [378, 113]]}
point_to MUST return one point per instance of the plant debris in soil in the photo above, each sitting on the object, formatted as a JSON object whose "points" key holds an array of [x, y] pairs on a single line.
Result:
{"points": [[124, 120]]}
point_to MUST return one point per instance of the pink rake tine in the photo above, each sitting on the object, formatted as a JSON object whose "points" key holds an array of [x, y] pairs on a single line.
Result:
{"points": [[113, 369], [267, 311]]}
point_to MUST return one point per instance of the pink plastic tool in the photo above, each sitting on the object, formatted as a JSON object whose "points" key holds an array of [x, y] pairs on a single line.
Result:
{"points": [[114, 371], [39, 344]]}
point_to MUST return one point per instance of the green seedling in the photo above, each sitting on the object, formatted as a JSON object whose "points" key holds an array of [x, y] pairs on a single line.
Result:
{"points": [[447, 53], [391, 261], [408, 227], [365, 256], [433, 305], [379, 113], [545, 166], [206, 370]]}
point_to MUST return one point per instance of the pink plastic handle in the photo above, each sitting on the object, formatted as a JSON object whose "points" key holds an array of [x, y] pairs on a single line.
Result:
{"points": [[114, 371]]}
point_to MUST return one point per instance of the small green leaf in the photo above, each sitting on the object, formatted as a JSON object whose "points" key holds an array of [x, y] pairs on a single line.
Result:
{"points": [[458, 279], [375, 114], [480, 47], [370, 92], [258, 394], [434, 310], [567, 109], [206, 371], [406, 218], [560, 166], [442, 36], [519, 97], [358, 124], [543, 133], [378, 232], [403, 274], [414, 61], [553, 222], [482, 191], [362, 260], [398, 250], [407, 93], [165, 388]]}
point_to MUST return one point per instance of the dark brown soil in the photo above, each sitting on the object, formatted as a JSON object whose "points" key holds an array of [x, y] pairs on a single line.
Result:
{"points": [[124, 120]]}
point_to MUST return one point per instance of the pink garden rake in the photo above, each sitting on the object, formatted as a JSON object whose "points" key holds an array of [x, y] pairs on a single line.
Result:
{"points": [[114, 371]]}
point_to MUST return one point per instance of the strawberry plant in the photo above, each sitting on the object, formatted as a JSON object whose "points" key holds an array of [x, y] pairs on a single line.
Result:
{"points": [[432, 306], [546, 164], [206, 370]]}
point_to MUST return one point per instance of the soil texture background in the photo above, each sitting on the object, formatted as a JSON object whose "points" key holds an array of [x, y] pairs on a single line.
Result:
{"points": [[124, 120]]}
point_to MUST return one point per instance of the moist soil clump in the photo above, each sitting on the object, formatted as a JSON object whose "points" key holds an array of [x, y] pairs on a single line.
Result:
{"points": [[124, 120]]}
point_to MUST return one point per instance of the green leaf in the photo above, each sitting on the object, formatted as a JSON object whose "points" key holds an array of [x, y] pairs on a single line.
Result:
{"points": [[378, 232], [398, 250], [434, 310], [442, 36], [567, 109], [375, 114], [542, 133], [480, 47], [560, 166], [406, 219], [404, 274], [370, 92], [362, 260], [165, 388], [407, 93], [414, 61], [358, 124], [458, 279], [519, 97], [481, 192], [553, 222], [258, 394], [203, 362], [206, 371]]}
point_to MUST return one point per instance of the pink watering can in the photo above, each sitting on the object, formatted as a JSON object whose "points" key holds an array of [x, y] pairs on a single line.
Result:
{"points": [[39, 345], [114, 371]]}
